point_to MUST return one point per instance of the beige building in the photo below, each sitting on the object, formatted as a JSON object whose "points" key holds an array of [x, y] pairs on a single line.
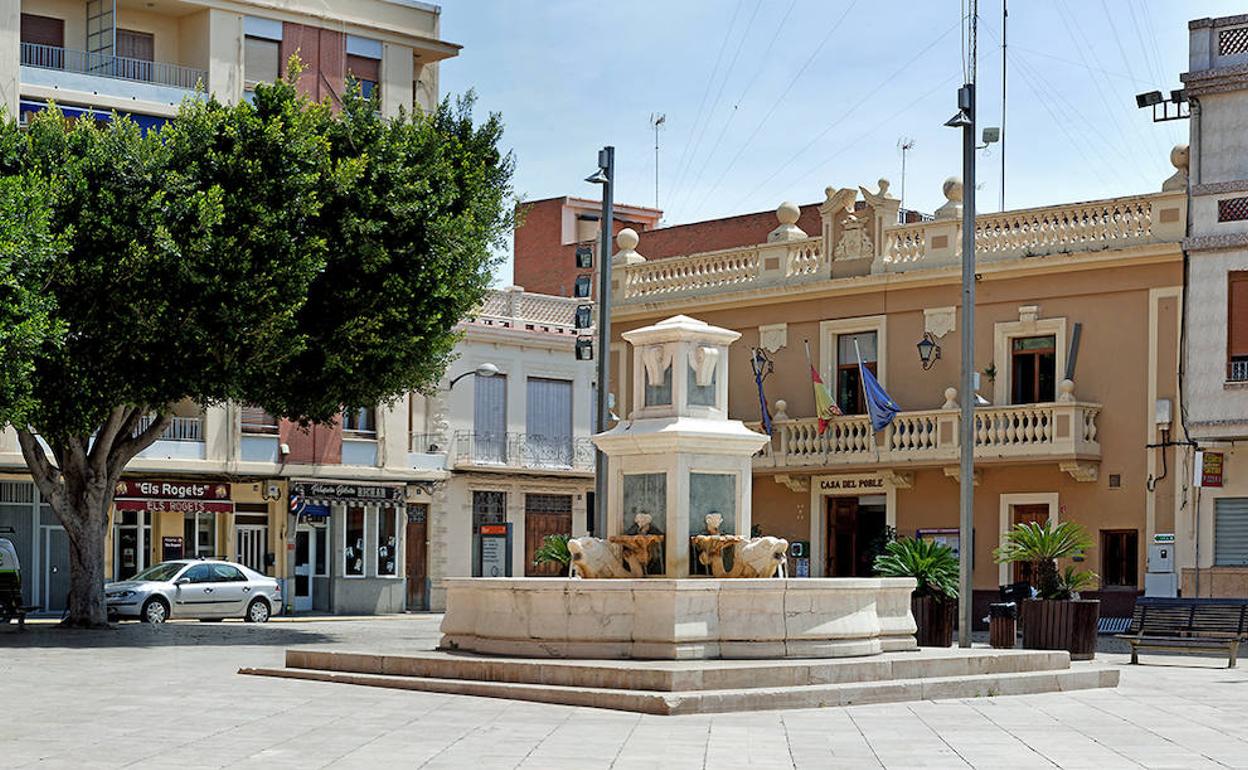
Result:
{"points": [[144, 58], [1213, 535], [327, 509], [1076, 339]]}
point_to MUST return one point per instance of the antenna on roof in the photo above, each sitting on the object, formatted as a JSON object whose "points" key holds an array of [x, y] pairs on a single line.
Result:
{"points": [[657, 121], [905, 144]]}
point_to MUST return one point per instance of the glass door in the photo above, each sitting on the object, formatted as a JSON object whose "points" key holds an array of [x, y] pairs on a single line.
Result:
{"points": [[305, 547]]}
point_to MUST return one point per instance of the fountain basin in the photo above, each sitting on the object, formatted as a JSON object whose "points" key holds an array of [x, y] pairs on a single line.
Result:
{"points": [[679, 619]]}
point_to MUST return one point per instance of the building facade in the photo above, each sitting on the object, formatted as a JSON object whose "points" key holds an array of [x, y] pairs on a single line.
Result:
{"points": [[1076, 339], [143, 59], [323, 508], [1213, 540], [516, 442]]}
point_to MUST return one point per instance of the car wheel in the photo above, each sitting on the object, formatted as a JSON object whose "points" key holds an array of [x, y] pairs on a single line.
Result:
{"points": [[257, 611], [155, 611]]}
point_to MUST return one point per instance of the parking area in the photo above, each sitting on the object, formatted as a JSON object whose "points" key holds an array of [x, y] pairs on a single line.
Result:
{"points": [[141, 696]]}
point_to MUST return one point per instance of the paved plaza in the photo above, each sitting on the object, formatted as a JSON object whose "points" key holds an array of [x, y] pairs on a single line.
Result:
{"points": [[170, 697]]}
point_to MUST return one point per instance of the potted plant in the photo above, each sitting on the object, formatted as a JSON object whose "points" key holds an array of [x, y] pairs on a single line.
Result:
{"points": [[1056, 619], [554, 550], [934, 602]]}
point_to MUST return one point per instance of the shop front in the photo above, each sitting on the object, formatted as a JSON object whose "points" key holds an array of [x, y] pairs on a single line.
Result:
{"points": [[347, 551], [161, 520]]}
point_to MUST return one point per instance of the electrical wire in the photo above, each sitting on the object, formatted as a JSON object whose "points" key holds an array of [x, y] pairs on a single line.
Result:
{"points": [[681, 165], [876, 90], [792, 82], [723, 129]]}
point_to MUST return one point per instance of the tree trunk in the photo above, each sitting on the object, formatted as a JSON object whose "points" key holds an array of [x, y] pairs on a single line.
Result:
{"points": [[79, 488]]}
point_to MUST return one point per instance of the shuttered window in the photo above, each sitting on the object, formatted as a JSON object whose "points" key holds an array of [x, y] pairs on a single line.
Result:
{"points": [[548, 422], [1237, 326], [365, 70], [261, 60], [489, 418], [1230, 532], [43, 30]]}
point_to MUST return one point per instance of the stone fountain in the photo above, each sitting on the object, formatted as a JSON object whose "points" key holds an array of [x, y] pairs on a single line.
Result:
{"points": [[677, 576]]}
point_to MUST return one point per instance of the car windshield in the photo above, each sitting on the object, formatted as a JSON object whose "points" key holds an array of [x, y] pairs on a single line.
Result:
{"points": [[164, 571]]}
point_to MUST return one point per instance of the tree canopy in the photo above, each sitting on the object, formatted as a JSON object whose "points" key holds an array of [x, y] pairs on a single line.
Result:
{"points": [[277, 253]]}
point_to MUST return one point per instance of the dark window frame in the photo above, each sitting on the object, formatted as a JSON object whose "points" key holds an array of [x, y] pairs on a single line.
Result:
{"points": [[1032, 392], [1120, 563]]}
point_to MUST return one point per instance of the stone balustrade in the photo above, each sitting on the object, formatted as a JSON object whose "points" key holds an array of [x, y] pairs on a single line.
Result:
{"points": [[1063, 431], [1088, 227], [513, 307]]}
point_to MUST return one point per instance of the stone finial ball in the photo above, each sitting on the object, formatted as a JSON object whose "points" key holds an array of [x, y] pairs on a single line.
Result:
{"points": [[1179, 156], [788, 213], [1066, 387], [883, 183], [951, 394], [781, 405], [952, 188], [627, 239]]}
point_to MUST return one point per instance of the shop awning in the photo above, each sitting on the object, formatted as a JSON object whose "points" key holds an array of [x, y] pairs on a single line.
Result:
{"points": [[175, 496]]}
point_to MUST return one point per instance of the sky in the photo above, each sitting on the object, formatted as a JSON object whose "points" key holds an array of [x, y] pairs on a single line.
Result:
{"points": [[774, 100]]}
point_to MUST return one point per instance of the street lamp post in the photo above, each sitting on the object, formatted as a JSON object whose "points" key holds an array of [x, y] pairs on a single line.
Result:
{"points": [[965, 119], [605, 176]]}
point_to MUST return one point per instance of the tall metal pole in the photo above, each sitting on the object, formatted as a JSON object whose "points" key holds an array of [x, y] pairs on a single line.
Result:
{"points": [[1005, 15], [966, 438], [606, 162]]}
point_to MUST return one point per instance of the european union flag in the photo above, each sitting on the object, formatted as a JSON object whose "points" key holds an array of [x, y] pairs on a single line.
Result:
{"points": [[880, 406]]}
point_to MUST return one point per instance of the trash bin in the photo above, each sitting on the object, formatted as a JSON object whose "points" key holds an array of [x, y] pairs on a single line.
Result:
{"points": [[1002, 624]]}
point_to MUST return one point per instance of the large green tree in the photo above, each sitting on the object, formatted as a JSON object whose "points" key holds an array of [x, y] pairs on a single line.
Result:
{"points": [[280, 253]]}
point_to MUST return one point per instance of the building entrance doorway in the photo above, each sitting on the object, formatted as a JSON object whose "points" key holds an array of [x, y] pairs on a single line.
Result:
{"points": [[132, 542], [417, 567], [1024, 571], [856, 529], [305, 550]]}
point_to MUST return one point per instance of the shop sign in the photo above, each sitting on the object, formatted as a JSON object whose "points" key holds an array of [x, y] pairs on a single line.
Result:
{"points": [[1209, 469], [172, 490], [1163, 538], [176, 506], [839, 483], [171, 548], [348, 493]]}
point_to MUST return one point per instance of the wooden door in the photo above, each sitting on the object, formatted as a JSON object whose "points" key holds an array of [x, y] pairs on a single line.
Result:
{"points": [[417, 557], [1028, 514], [536, 527], [842, 545]]}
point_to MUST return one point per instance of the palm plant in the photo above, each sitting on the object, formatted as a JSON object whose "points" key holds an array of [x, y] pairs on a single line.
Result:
{"points": [[1042, 544], [553, 550], [932, 564]]}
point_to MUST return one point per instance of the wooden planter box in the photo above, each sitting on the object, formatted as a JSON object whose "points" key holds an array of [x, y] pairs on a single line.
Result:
{"points": [[1061, 624], [935, 619]]}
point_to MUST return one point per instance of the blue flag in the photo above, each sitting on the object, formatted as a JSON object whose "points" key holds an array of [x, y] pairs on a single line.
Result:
{"points": [[880, 406]]}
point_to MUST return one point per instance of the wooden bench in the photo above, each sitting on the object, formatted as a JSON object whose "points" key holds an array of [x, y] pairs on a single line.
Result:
{"points": [[1184, 625]]}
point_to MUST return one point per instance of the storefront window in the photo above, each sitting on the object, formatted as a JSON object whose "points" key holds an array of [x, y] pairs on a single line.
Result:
{"points": [[353, 549], [200, 534], [387, 543]]}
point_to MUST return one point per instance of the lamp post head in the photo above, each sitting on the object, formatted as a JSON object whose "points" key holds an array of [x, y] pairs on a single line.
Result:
{"points": [[598, 177], [486, 370]]}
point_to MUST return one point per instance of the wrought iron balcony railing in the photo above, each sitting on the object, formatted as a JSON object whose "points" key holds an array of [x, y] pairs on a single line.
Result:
{"points": [[179, 429], [118, 67]]}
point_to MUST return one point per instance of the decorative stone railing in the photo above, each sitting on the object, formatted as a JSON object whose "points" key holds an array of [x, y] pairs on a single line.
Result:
{"points": [[515, 308], [1062, 431], [1072, 228]]}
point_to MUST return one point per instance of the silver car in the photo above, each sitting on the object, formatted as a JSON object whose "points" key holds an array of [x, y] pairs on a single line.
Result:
{"points": [[195, 588]]}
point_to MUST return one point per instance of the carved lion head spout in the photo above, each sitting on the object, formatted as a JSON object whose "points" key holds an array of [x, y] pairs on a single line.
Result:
{"points": [[713, 522]]}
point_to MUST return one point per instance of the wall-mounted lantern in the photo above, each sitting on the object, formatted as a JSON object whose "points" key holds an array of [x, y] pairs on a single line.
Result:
{"points": [[929, 350]]}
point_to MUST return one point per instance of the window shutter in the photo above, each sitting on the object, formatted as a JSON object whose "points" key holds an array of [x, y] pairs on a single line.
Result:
{"points": [[489, 418], [548, 422], [364, 68], [261, 60], [1230, 532], [1237, 315], [136, 45], [43, 30]]}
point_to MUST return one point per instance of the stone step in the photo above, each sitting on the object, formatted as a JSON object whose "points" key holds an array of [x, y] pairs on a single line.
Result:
{"points": [[1083, 676], [683, 676]]}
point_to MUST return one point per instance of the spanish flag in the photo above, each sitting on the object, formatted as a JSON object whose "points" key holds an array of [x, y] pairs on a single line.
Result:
{"points": [[825, 405]]}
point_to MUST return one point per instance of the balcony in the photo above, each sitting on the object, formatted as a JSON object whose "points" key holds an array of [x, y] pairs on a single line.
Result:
{"points": [[522, 452], [1064, 432], [427, 451], [94, 73], [182, 439]]}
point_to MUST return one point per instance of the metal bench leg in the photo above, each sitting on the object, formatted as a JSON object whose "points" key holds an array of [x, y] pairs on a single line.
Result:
{"points": [[1135, 654], [1234, 658]]}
